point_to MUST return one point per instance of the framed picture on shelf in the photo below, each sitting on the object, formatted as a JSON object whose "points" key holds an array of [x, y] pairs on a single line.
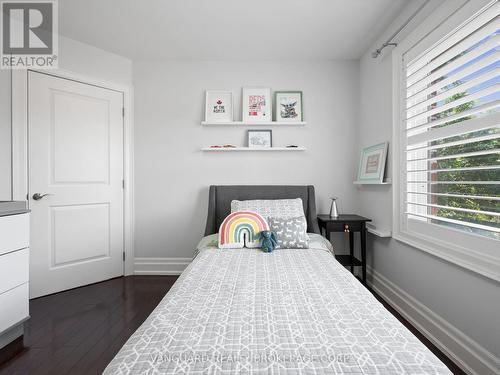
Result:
{"points": [[372, 163], [288, 106], [260, 138], [218, 106], [256, 104]]}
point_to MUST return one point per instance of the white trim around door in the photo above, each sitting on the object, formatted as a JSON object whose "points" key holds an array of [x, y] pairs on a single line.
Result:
{"points": [[20, 167]]}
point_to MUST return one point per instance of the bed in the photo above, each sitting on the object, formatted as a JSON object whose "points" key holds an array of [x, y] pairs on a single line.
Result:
{"points": [[242, 311]]}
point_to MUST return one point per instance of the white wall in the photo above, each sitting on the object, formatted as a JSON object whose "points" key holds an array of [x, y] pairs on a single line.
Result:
{"points": [[5, 135], [93, 62], [467, 301], [172, 175]]}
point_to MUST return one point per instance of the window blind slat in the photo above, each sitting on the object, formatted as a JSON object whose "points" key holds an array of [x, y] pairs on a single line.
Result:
{"points": [[454, 156], [489, 75], [456, 50], [485, 168], [463, 73], [457, 63], [464, 127], [491, 213], [455, 143], [468, 98], [454, 182], [450, 195], [457, 116], [451, 39], [458, 222]]}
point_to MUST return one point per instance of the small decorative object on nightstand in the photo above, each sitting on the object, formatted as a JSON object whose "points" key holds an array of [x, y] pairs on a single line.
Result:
{"points": [[334, 212], [350, 224]]}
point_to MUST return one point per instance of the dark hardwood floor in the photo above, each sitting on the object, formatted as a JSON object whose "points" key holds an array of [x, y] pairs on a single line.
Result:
{"points": [[80, 331]]}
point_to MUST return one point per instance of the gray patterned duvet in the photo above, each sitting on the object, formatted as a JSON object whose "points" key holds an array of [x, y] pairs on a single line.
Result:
{"points": [[288, 312]]}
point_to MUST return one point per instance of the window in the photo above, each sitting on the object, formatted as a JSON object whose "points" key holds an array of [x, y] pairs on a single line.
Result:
{"points": [[449, 186]]}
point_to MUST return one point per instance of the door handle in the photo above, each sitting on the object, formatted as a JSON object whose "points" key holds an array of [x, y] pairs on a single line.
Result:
{"points": [[38, 196]]}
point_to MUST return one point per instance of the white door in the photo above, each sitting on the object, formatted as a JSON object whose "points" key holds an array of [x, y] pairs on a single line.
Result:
{"points": [[76, 157]]}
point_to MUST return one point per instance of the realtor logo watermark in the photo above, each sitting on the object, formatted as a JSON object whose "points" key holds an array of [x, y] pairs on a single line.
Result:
{"points": [[29, 34]]}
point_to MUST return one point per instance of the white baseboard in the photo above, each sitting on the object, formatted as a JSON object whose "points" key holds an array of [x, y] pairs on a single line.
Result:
{"points": [[460, 348], [160, 266]]}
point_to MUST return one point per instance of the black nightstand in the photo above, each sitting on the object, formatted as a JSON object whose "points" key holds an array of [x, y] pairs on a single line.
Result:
{"points": [[347, 223]]}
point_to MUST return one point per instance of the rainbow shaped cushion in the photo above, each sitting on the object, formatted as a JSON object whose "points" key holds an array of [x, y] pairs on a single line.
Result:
{"points": [[241, 229]]}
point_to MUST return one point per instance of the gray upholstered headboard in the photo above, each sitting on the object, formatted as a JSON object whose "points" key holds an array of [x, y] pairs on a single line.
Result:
{"points": [[220, 197]]}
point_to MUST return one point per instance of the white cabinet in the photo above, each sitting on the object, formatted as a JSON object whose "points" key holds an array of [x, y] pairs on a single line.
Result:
{"points": [[14, 274], [14, 232], [14, 269], [14, 307]]}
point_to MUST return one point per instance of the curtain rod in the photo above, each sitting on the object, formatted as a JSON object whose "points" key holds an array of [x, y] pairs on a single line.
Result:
{"points": [[390, 41]]}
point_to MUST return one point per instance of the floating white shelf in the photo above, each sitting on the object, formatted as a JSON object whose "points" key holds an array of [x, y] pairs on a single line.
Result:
{"points": [[379, 233], [387, 181], [229, 149], [248, 123]]}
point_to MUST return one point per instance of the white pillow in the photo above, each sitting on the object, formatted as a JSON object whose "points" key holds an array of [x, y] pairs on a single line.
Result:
{"points": [[281, 208]]}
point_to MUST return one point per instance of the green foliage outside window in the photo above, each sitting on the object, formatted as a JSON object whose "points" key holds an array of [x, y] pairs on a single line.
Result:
{"points": [[491, 190]]}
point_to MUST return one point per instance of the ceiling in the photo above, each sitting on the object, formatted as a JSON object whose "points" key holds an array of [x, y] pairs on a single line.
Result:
{"points": [[228, 29]]}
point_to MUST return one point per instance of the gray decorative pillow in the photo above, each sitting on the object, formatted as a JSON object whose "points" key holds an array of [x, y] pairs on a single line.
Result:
{"points": [[291, 232]]}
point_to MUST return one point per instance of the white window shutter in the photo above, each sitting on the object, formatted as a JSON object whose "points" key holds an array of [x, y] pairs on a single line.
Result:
{"points": [[451, 123]]}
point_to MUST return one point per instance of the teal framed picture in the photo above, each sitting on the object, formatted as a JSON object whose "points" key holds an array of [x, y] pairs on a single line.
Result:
{"points": [[288, 106], [372, 164]]}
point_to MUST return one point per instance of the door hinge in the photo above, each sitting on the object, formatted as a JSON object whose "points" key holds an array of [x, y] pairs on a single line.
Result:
{"points": [[123, 184], [123, 111], [124, 256]]}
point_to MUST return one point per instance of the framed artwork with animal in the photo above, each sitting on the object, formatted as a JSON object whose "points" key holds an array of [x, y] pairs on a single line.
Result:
{"points": [[288, 106]]}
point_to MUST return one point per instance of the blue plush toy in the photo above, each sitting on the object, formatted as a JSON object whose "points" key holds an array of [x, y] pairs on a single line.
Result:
{"points": [[269, 240]]}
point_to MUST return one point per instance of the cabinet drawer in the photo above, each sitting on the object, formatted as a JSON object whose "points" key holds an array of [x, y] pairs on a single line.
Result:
{"points": [[14, 306], [14, 232], [14, 269], [341, 227]]}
